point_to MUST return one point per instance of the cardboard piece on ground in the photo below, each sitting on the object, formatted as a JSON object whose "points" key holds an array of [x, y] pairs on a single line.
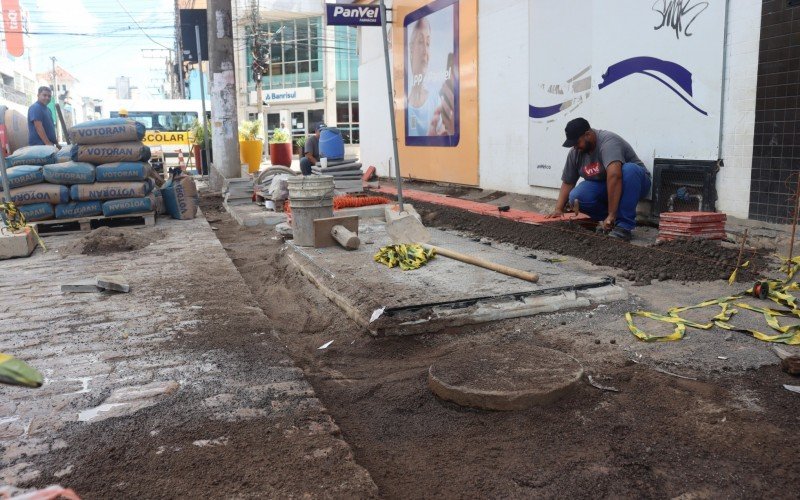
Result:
{"points": [[322, 229], [113, 282], [19, 244], [89, 286]]}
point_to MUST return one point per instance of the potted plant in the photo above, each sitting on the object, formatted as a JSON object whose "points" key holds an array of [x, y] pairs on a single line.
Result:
{"points": [[280, 148], [251, 146], [301, 145], [198, 135]]}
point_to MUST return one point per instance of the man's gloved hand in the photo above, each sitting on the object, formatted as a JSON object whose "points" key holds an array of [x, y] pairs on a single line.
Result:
{"points": [[609, 222]]}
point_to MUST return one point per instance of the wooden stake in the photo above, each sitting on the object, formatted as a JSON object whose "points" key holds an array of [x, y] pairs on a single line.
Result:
{"points": [[741, 249], [794, 219]]}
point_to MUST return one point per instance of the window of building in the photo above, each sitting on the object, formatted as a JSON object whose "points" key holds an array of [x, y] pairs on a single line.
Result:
{"points": [[346, 57], [294, 56]]}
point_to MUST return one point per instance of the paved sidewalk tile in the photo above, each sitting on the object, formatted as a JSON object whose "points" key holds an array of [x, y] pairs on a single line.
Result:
{"points": [[114, 355]]}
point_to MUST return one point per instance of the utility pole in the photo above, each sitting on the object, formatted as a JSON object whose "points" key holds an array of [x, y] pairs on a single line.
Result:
{"points": [[224, 122], [54, 96]]}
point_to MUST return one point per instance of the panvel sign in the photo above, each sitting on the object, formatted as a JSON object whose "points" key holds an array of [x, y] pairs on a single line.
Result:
{"points": [[436, 84], [650, 71], [12, 24], [353, 15]]}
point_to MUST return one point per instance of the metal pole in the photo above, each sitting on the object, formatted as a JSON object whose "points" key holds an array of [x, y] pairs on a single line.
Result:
{"points": [[206, 134], [4, 175], [391, 107]]}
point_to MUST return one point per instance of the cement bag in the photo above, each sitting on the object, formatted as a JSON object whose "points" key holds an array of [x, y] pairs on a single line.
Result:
{"points": [[109, 153], [127, 206], [24, 175], [32, 155], [124, 171], [78, 209], [180, 197], [109, 190], [34, 212], [65, 154], [40, 193], [107, 131], [69, 173]]}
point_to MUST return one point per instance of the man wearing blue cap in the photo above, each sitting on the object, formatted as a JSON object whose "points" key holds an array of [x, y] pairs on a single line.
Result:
{"points": [[615, 179], [311, 151]]}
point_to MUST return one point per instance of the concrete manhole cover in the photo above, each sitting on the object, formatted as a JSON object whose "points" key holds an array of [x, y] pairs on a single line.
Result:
{"points": [[504, 378]]}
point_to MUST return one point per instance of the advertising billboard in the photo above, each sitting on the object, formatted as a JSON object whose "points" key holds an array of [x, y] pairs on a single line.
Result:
{"points": [[649, 71], [436, 89]]}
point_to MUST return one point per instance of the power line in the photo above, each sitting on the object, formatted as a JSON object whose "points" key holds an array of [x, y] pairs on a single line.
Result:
{"points": [[143, 31]]}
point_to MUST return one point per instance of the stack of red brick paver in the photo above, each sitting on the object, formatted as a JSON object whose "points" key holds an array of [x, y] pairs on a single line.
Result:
{"points": [[687, 225]]}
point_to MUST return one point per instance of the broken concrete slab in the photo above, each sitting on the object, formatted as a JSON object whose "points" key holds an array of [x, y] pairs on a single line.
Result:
{"points": [[504, 379], [444, 293], [86, 286], [114, 283]]}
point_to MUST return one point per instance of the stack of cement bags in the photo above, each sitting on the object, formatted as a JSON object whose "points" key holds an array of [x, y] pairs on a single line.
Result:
{"points": [[123, 183], [105, 173], [346, 175], [35, 198]]}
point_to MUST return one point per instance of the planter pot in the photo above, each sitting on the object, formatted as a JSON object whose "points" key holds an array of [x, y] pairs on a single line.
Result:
{"points": [[250, 152], [199, 154], [281, 154]]}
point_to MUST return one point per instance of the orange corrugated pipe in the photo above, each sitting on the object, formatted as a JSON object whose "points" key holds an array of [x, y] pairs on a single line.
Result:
{"points": [[349, 201]]}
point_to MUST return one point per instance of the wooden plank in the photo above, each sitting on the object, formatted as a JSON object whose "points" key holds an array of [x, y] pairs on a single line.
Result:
{"points": [[322, 229]]}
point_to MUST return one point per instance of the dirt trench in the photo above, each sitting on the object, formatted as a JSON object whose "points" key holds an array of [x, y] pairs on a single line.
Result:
{"points": [[691, 260], [658, 437]]}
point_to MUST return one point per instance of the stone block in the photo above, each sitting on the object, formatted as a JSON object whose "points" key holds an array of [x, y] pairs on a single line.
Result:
{"points": [[19, 244], [114, 282]]}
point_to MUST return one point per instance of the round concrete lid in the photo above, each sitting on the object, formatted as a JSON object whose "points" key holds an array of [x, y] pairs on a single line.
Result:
{"points": [[507, 378]]}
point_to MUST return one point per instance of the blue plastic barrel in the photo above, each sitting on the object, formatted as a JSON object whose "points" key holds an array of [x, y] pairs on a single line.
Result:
{"points": [[331, 144]]}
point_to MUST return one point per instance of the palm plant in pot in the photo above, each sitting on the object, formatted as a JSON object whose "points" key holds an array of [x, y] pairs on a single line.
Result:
{"points": [[199, 135], [280, 148], [251, 146], [301, 145]]}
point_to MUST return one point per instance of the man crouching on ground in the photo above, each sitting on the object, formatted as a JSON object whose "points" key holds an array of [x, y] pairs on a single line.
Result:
{"points": [[615, 179]]}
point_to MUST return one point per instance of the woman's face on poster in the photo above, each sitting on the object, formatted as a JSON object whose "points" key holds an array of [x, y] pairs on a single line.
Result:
{"points": [[420, 51]]}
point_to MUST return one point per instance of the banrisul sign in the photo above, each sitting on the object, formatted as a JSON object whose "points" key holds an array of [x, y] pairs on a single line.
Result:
{"points": [[353, 15]]}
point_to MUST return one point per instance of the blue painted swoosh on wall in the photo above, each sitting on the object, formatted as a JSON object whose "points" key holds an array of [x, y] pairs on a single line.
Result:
{"points": [[681, 76]]}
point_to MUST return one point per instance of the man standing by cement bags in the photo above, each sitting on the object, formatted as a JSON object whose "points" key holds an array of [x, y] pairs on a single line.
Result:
{"points": [[615, 179], [41, 129]]}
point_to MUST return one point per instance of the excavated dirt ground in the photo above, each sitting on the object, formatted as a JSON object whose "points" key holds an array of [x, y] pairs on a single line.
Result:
{"points": [[694, 260], [727, 434], [107, 240]]}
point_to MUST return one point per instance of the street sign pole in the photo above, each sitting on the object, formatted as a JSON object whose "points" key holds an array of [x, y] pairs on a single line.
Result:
{"points": [[385, 38]]}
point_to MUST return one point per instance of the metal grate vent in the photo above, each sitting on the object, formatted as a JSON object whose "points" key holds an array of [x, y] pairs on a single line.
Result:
{"points": [[683, 186]]}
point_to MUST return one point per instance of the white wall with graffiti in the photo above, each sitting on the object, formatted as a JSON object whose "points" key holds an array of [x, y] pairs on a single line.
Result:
{"points": [[649, 71]]}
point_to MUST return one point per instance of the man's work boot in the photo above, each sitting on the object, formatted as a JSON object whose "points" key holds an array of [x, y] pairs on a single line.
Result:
{"points": [[621, 233]]}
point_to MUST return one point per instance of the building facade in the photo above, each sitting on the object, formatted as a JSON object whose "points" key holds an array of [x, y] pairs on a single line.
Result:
{"points": [[309, 70], [486, 102]]}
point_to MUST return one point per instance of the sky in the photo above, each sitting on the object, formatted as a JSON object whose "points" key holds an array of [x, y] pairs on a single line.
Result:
{"points": [[97, 41]]}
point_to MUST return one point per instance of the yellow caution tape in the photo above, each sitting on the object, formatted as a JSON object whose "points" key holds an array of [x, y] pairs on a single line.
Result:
{"points": [[16, 372], [778, 293], [408, 257], [732, 279]]}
